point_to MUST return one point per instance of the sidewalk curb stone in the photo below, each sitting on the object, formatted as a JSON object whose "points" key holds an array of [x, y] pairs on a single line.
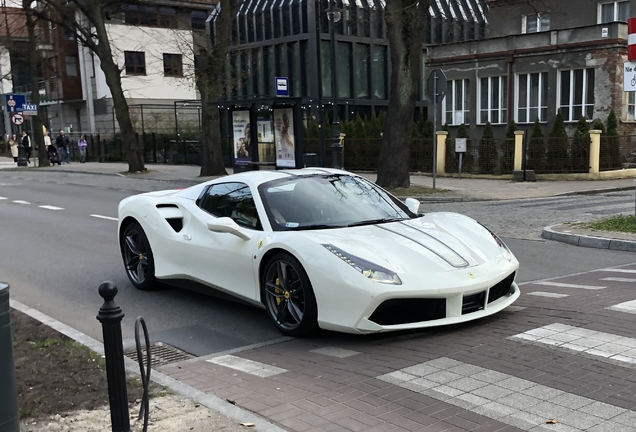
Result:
{"points": [[550, 233]]}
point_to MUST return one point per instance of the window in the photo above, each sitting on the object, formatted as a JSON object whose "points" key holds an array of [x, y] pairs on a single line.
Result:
{"points": [[457, 102], [172, 65], [493, 100], [233, 200], [613, 11], [71, 66], [361, 64], [378, 71], [151, 16], [532, 97], [135, 62], [325, 65], [343, 60], [535, 23], [197, 19], [631, 106], [576, 95]]}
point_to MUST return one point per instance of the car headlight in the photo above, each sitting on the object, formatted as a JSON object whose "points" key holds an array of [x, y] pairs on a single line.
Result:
{"points": [[368, 269], [506, 251]]}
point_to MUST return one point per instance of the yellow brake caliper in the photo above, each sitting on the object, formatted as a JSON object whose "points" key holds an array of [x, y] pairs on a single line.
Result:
{"points": [[278, 291]]}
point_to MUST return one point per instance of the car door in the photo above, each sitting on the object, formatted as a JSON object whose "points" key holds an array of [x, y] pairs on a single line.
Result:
{"points": [[223, 259]]}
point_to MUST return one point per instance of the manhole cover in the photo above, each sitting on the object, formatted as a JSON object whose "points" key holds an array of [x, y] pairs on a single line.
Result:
{"points": [[160, 354]]}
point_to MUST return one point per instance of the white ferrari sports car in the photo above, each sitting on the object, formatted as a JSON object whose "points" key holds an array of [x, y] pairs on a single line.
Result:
{"points": [[318, 248]]}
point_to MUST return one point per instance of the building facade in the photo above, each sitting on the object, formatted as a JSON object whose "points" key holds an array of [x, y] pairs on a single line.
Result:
{"points": [[539, 57], [154, 45], [291, 38]]}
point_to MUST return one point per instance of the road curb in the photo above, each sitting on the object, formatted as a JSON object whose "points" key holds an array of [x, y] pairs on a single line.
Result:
{"points": [[208, 400], [549, 233], [596, 191]]}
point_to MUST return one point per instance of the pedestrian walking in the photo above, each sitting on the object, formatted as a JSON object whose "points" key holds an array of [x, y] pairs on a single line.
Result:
{"points": [[13, 143], [62, 144], [82, 144], [26, 143], [47, 141]]}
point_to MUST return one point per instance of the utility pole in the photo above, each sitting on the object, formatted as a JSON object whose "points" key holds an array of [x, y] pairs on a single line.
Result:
{"points": [[336, 148]]}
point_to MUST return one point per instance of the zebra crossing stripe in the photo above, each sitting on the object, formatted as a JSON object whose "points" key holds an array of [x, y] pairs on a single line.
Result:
{"points": [[248, 366], [599, 344], [628, 307], [547, 294], [618, 270], [616, 279], [514, 401], [567, 285]]}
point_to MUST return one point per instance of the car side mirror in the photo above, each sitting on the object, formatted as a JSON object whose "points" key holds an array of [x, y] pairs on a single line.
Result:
{"points": [[413, 205], [227, 225]]}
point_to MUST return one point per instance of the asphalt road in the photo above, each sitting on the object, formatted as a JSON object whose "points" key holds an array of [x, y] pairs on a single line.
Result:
{"points": [[55, 256]]}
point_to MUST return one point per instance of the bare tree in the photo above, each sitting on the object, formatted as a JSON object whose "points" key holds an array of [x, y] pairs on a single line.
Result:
{"points": [[87, 19], [210, 69], [406, 26]]}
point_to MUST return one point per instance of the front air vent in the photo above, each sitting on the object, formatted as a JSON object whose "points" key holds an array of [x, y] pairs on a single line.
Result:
{"points": [[473, 303], [501, 289], [167, 206], [405, 311]]}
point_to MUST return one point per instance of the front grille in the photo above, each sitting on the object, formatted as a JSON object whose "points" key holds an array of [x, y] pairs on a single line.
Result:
{"points": [[405, 311], [473, 303], [501, 289]]}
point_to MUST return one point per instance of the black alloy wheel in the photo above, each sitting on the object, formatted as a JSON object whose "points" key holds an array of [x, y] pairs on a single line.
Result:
{"points": [[137, 255], [288, 296]]}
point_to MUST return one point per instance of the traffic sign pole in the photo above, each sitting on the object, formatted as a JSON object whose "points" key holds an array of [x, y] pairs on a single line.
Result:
{"points": [[434, 128]]}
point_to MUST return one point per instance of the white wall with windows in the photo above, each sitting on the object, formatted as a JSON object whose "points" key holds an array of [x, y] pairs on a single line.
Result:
{"points": [[492, 96], [531, 95], [139, 51], [457, 102]]}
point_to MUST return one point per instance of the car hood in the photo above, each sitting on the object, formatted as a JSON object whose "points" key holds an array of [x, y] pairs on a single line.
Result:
{"points": [[434, 242]]}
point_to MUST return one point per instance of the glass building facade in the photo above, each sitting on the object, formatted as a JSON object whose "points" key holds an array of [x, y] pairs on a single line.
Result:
{"points": [[290, 38]]}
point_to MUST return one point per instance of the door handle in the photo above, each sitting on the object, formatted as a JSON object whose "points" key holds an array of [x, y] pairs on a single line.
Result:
{"points": [[187, 237]]}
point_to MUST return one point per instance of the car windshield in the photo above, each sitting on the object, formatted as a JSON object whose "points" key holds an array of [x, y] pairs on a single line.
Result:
{"points": [[328, 201]]}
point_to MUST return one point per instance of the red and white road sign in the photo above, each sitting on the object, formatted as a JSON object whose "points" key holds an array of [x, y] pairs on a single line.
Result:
{"points": [[17, 119], [631, 39]]}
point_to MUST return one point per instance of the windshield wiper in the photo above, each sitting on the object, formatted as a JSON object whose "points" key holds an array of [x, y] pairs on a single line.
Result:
{"points": [[317, 226], [376, 221]]}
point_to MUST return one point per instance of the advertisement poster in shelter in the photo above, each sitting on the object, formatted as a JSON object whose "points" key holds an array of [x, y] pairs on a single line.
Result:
{"points": [[284, 137], [241, 134]]}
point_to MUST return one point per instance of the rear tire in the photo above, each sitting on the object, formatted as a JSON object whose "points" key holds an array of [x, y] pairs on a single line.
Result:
{"points": [[138, 259], [288, 296]]}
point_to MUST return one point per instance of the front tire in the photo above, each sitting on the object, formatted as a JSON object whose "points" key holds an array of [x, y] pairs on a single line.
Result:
{"points": [[288, 296], [138, 259]]}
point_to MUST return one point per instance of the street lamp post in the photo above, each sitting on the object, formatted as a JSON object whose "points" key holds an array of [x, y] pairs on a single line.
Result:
{"points": [[336, 148]]}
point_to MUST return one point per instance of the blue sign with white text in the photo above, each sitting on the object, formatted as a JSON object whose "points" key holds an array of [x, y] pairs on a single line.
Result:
{"points": [[15, 102], [282, 86], [29, 107]]}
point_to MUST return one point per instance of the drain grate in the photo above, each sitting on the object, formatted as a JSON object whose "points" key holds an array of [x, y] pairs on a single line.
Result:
{"points": [[160, 354]]}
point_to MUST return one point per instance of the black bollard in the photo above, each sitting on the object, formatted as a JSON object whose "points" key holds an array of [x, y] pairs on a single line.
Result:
{"points": [[9, 420], [110, 315], [22, 160]]}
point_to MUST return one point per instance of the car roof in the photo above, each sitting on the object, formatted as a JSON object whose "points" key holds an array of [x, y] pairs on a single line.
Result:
{"points": [[256, 178]]}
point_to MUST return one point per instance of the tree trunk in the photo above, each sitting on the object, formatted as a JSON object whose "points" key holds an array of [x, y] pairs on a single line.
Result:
{"points": [[405, 22], [210, 87], [134, 150], [211, 146], [37, 140]]}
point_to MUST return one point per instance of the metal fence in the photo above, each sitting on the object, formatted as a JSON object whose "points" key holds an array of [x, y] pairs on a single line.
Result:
{"points": [[361, 154], [618, 152], [158, 148], [493, 156], [558, 155]]}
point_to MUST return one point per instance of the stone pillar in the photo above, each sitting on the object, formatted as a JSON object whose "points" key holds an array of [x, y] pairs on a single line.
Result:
{"points": [[441, 152], [518, 158], [595, 151]]}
